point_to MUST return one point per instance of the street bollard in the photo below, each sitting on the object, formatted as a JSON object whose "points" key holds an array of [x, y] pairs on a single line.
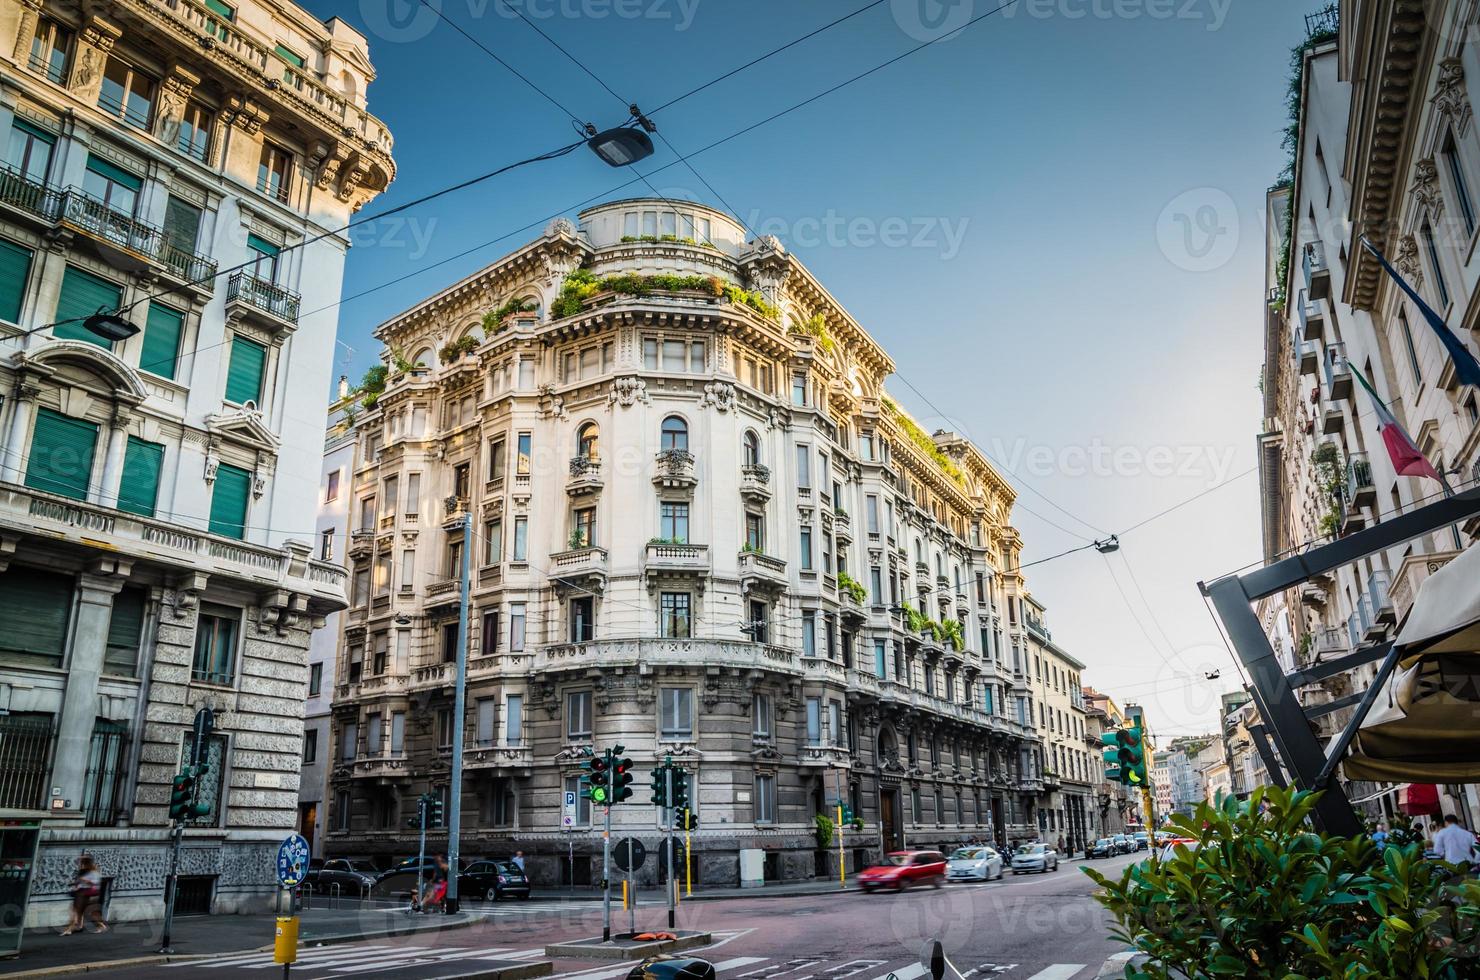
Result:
{"points": [[285, 942]]}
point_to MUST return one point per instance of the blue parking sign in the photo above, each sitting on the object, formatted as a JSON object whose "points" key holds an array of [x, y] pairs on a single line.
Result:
{"points": [[292, 861]]}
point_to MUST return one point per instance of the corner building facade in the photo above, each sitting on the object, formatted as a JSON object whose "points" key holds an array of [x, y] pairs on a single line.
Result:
{"points": [[701, 530]]}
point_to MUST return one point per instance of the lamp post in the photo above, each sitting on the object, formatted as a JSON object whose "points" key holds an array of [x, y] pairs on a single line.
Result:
{"points": [[110, 326], [459, 707]]}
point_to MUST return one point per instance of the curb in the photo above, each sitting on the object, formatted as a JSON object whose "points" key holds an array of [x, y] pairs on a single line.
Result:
{"points": [[1115, 965], [147, 960]]}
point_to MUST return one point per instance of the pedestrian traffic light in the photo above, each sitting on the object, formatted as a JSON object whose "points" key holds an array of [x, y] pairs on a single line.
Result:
{"points": [[597, 789], [680, 798], [621, 778], [182, 791], [660, 786]]}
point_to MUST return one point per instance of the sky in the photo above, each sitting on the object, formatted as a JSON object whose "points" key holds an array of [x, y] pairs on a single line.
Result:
{"points": [[1052, 220]]}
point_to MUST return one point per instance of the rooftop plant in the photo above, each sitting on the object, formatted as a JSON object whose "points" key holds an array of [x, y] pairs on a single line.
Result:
{"points": [[847, 583], [924, 443], [462, 345], [814, 326], [493, 319], [583, 284]]}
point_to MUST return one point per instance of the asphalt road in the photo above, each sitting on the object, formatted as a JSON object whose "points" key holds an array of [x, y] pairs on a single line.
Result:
{"points": [[1033, 927]]}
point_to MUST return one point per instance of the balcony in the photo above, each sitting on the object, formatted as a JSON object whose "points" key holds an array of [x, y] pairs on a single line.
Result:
{"points": [[1332, 419], [1306, 356], [1051, 781], [1312, 318], [671, 558], [513, 759], [585, 476], [1338, 373], [665, 652], [267, 571], [755, 483], [31, 198], [673, 469], [842, 525], [581, 568], [1411, 574], [1379, 591], [1352, 516], [1317, 273], [761, 570], [1359, 489], [261, 302], [1330, 643], [385, 768], [825, 756]]}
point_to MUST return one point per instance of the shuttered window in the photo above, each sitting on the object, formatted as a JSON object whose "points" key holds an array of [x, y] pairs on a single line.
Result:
{"points": [[244, 374], [139, 489], [125, 632], [35, 607], [15, 269], [161, 341], [83, 294], [229, 501], [61, 457]]}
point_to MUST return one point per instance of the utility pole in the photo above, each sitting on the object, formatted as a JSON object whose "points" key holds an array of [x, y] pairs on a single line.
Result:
{"points": [[459, 708], [184, 808], [606, 877], [842, 867]]}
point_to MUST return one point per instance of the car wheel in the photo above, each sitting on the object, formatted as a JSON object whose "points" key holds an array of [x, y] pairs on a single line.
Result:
{"points": [[491, 895], [937, 882]]}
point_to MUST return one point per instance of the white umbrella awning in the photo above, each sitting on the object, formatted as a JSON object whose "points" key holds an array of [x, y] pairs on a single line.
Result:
{"points": [[1446, 615]]}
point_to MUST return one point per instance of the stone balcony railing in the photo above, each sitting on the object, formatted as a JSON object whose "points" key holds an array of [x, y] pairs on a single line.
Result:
{"points": [[388, 765], [585, 476], [667, 557], [498, 758], [147, 541], [659, 652], [825, 756], [674, 469], [757, 566], [755, 482]]}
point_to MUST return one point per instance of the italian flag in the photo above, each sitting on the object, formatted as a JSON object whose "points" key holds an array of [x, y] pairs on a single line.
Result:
{"points": [[1407, 460]]}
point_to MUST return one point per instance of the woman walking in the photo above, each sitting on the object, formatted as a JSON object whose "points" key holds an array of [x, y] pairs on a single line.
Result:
{"points": [[87, 896]]}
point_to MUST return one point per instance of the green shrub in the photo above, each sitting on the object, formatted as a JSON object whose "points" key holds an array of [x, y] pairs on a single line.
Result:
{"points": [[1262, 896], [852, 586], [823, 827]]}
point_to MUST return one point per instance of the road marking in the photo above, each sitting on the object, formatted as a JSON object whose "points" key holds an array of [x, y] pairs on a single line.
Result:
{"points": [[843, 970], [1059, 971], [777, 969], [313, 953], [907, 972], [622, 971]]}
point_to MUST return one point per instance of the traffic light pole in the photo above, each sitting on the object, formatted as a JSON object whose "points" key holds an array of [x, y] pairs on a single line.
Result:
{"points": [[842, 866], [170, 884], [459, 721], [421, 850], [606, 878], [631, 893], [672, 872]]}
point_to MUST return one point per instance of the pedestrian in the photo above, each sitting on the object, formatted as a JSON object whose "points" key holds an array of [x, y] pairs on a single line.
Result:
{"points": [[1061, 843], [87, 897], [1380, 836], [1455, 844], [519, 861]]}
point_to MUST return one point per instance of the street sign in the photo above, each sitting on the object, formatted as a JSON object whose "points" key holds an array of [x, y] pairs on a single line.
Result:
{"points": [[568, 815], [292, 861], [638, 853]]}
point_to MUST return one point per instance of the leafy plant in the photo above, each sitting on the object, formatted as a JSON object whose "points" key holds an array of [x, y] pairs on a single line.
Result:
{"points": [[666, 541], [847, 583], [924, 443], [914, 619], [582, 284], [493, 320], [680, 240], [752, 549], [952, 633], [456, 349], [1262, 896], [578, 539], [814, 326], [823, 827]]}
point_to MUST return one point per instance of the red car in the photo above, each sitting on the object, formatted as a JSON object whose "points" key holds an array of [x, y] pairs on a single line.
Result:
{"points": [[904, 869]]}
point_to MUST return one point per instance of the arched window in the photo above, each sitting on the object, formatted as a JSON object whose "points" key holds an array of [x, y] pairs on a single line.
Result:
{"points": [[675, 434], [587, 441], [752, 445]]}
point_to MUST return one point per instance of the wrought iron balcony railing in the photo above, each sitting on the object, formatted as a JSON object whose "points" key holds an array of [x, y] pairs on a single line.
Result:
{"points": [[263, 295]]}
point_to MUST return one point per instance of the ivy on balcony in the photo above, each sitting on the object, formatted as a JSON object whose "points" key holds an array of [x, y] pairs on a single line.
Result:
{"points": [[582, 284], [924, 443]]}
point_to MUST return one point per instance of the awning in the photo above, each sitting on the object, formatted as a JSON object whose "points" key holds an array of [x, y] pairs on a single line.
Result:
{"points": [[1420, 800], [1422, 728]]}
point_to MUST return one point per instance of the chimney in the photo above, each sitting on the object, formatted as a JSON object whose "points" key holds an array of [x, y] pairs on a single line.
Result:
{"points": [[344, 386]]}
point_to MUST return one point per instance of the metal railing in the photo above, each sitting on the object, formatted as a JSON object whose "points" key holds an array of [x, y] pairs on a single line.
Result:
{"points": [[53, 72], [22, 192], [100, 221], [1323, 23], [187, 265], [1313, 258], [25, 745], [263, 295], [1336, 364], [1358, 474]]}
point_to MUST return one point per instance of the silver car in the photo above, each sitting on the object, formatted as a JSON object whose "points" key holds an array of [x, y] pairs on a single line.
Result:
{"points": [[979, 863], [1034, 857]]}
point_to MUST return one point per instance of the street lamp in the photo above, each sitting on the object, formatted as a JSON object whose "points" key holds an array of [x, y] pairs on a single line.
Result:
{"points": [[1108, 545], [622, 146], [110, 326]]}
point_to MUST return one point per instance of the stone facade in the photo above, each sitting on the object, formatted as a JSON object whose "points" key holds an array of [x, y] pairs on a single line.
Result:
{"points": [[154, 489], [702, 530]]}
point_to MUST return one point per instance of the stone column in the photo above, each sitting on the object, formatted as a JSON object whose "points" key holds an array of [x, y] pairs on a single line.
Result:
{"points": [[25, 15], [94, 42], [174, 93], [12, 459], [95, 591], [108, 488]]}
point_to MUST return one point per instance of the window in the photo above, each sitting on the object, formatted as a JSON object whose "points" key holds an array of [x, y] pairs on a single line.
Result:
{"points": [[674, 434], [765, 798], [871, 512], [673, 522], [674, 355], [521, 539], [82, 295], [382, 654], [760, 710], [342, 810], [814, 721], [408, 570], [521, 463], [127, 93], [755, 532], [229, 501], [15, 271], [61, 456], [578, 715], [349, 739], [514, 719], [804, 467], [806, 549], [673, 615], [462, 481], [390, 496], [49, 50], [880, 663], [125, 632], [449, 642], [587, 442], [835, 722], [490, 631], [584, 533], [245, 372], [138, 490], [162, 331], [29, 153], [516, 627], [398, 732], [444, 728], [215, 644], [676, 713], [310, 746], [315, 679], [1461, 188], [809, 632], [582, 619], [876, 585], [758, 626], [374, 734], [751, 445], [799, 389], [195, 131], [487, 721], [273, 171], [496, 459], [1426, 234], [263, 255]]}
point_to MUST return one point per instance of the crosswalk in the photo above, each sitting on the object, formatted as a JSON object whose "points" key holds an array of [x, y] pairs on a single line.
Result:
{"points": [[812, 968], [349, 959]]}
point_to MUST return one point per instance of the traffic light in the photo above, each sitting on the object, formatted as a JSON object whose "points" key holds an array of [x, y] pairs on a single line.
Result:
{"points": [[847, 815], [1111, 748], [680, 798], [1125, 756], [182, 792], [438, 809], [688, 819], [660, 786], [597, 788], [621, 777]]}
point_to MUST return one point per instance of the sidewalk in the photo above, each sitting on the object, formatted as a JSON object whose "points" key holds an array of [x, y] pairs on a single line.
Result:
{"points": [[709, 892], [46, 951]]}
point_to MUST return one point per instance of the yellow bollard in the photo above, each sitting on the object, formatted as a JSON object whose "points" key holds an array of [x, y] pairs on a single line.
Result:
{"points": [[624, 896], [285, 942]]}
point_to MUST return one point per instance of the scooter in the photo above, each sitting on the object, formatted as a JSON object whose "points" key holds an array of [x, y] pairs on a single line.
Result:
{"points": [[932, 958]]}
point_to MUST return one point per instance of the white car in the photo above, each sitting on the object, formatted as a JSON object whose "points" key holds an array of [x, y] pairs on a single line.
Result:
{"points": [[1034, 857], [979, 863]]}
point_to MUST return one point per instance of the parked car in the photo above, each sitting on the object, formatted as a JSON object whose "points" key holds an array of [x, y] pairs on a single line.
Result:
{"points": [[400, 881], [492, 880], [1143, 842], [354, 876], [1123, 844], [1170, 845], [980, 863], [1034, 857], [905, 869], [1102, 848]]}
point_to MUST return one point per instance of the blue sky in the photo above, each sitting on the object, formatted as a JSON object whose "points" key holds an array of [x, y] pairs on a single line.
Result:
{"points": [[1078, 288]]}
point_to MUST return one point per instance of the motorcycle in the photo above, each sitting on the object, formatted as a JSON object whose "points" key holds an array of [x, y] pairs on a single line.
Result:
{"points": [[668, 967]]}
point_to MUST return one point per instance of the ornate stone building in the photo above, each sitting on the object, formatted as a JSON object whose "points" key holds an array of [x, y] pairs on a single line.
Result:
{"points": [[702, 530], [156, 492]]}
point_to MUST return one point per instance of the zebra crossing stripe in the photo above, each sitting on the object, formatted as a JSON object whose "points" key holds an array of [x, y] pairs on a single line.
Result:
{"points": [[240, 958], [1059, 971]]}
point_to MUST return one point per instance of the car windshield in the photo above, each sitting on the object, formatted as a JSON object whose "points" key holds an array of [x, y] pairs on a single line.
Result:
{"points": [[360, 866], [898, 859], [1031, 849], [509, 868], [967, 854]]}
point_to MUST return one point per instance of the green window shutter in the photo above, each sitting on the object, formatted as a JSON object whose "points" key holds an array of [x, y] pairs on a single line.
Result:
{"points": [[35, 607], [83, 294], [216, 6], [36, 131], [181, 224], [115, 173], [229, 501], [125, 632], [140, 486], [262, 245], [244, 374], [296, 60], [61, 455], [15, 270], [161, 341]]}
